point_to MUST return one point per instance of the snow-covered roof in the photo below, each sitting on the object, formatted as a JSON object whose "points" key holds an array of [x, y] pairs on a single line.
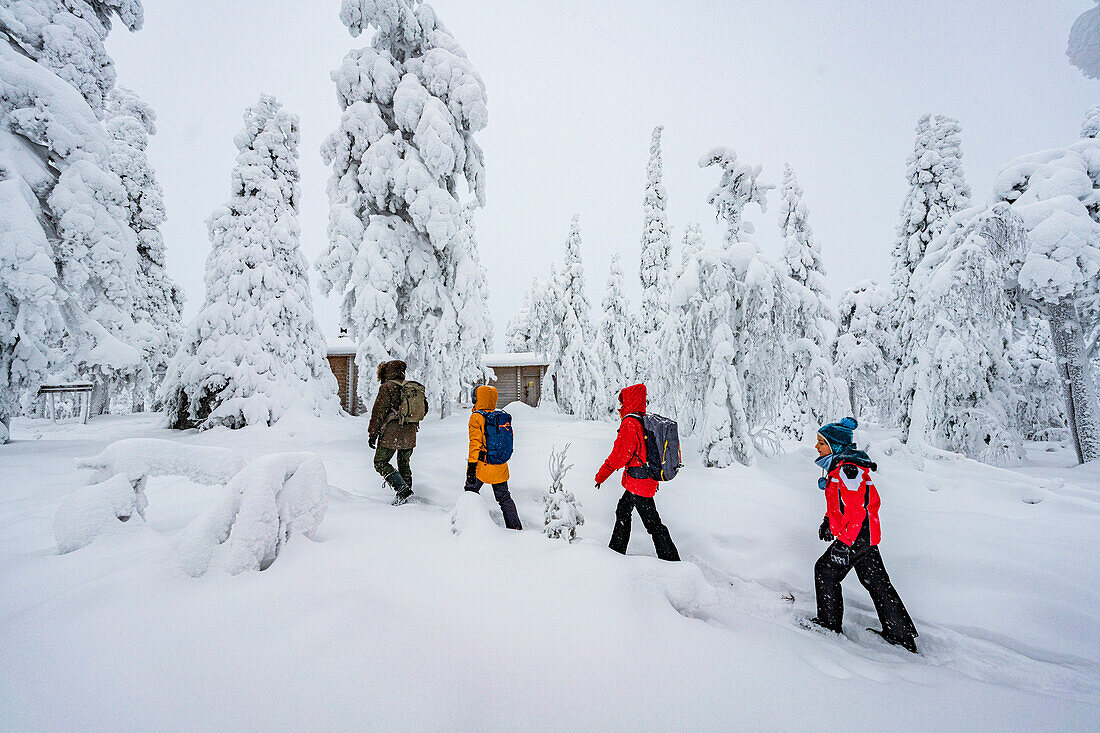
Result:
{"points": [[513, 360], [341, 346]]}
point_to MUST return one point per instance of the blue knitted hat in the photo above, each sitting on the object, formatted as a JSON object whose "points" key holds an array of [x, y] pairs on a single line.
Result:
{"points": [[839, 434]]}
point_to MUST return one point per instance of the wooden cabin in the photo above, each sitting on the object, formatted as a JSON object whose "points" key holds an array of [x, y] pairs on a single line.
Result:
{"points": [[518, 377], [341, 360]]}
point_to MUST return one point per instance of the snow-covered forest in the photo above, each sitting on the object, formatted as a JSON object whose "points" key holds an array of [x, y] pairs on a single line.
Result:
{"points": [[162, 445]]}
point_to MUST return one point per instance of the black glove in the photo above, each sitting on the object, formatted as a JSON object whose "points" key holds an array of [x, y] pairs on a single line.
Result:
{"points": [[841, 554], [824, 533], [471, 477], [372, 441]]}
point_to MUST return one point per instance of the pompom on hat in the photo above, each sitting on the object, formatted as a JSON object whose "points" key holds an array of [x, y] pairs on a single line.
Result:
{"points": [[839, 434]]}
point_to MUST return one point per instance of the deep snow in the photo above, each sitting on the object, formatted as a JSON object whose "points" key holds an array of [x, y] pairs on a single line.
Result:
{"points": [[388, 620]]}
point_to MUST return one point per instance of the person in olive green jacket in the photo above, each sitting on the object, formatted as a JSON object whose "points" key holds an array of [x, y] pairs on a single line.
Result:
{"points": [[387, 436], [478, 472]]}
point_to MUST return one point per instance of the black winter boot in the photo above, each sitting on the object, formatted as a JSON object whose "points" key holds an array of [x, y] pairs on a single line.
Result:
{"points": [[404, 492]]}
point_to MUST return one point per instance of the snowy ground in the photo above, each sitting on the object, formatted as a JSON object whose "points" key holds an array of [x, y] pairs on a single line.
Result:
{"points": [[388, 621]]}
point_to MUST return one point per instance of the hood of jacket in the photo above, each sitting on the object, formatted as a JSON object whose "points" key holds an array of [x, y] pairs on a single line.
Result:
{"points": [[633, 399], [388, 370], [485, 398], [850, 454]]}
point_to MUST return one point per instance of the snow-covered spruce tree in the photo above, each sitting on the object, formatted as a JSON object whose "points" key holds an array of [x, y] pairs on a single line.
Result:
{"points": [[561, 510], [728, 328], [548, 316], [811, 395], [254, 350], [158, 301], [68, 38], [411, 103], [1083, 48], [617, 335], [1055, 193], [518, 337], [937, 191], [1091, 125], [863, 349], [1042, 414], [690, 244], [471, 296], [68, 299], [739, 187], [958, 388], [574, 361], [654, 265]]}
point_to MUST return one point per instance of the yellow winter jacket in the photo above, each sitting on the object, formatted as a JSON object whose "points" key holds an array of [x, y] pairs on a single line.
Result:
{"points": [[485, 398]]}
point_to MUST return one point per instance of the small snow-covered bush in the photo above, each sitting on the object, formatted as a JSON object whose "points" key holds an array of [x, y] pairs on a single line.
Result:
{"points": [[561, 510]]}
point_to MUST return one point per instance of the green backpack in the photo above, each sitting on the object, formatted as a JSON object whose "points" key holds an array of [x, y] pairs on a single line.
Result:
{"points": [[412, 403]]}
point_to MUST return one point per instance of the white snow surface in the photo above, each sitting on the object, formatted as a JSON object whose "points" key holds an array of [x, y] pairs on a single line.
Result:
{"points": [[389, 621]]}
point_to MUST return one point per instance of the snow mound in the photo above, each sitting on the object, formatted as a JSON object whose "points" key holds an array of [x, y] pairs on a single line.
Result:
{"points": [[136, 458], [269, 500], [471, 516], [88, 512]]}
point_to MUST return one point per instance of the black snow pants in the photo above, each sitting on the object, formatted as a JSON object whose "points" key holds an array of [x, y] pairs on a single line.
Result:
{"points": [[867, 561], [503, 497], [647, 510]]}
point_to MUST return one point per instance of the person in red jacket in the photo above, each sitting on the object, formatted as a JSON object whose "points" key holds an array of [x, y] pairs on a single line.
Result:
{"points": [[629, 452], [851, 524]]}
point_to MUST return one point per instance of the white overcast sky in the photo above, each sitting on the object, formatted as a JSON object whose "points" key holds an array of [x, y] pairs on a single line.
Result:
{"points": [[575, 88]]}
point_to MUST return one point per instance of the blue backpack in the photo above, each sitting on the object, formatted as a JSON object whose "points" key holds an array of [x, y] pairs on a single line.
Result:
{"points": [[498, 436]]}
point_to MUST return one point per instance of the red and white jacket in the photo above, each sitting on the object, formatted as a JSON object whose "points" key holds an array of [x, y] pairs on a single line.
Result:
{"points": [[849, 501]]}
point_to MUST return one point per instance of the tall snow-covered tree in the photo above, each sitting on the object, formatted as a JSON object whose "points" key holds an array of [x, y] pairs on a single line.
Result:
{"points": [[690, 244], [863, 349], [471, 297], [574, 362], [656, 246], [617, 335], [1083, 48], [1055, 193], [937, 191], [67, 300], [405, 148], [811, 396], [726, 333], [958, 389], [1042, 414], [158, 301], [519, 336], [68, 37], [739, 187], [254, 350]]}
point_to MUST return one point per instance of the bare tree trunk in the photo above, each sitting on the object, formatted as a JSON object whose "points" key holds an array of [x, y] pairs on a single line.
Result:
{"points": [[5, 428], [1073, 367], [852, 399]]}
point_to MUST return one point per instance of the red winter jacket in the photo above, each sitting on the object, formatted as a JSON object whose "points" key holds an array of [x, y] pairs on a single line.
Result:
{"points": [[629, 449], [846, 499]]}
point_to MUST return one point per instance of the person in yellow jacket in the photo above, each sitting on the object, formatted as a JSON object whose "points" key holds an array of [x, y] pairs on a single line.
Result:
{"points": [[478, 472]]}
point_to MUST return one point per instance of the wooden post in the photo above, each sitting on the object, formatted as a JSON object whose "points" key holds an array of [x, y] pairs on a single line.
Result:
{"points": [[85, 406], [53, 408]]}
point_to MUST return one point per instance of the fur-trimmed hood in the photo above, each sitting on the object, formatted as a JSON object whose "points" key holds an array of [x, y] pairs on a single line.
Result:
{"points": [[388, 370]]}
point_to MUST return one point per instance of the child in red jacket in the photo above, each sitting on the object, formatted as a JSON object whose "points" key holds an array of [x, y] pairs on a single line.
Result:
{"points": [[851, 524], [629, 452]]}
